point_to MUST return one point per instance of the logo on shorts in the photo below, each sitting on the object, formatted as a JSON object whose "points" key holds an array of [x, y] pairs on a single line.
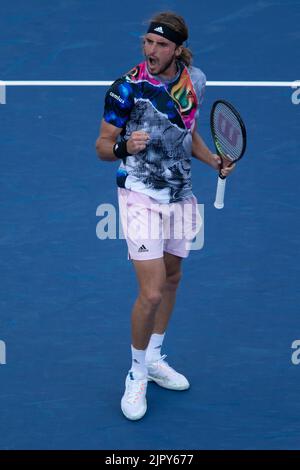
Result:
{"points": [[142, 249]]}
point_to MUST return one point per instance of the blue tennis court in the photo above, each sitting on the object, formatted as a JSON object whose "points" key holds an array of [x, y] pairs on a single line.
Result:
{"points": [[66, 295]]}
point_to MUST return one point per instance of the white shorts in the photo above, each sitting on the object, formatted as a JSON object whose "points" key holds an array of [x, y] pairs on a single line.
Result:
{"points": [[151, 229]]}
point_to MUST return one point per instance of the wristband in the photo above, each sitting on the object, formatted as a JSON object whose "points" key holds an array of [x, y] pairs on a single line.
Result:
{"points": [[120, 149]]}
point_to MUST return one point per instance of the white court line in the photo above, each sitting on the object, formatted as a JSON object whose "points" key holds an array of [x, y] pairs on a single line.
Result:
{"points": [[294, 84]]}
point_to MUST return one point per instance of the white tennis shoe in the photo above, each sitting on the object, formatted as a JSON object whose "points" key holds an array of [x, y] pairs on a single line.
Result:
{"points": [[134, 403], [165, 376]]}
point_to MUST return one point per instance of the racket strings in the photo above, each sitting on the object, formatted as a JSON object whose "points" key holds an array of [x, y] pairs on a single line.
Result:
{"points": [[228, 132]]}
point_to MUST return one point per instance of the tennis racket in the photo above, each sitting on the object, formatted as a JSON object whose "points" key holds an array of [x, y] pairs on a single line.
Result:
{"points": [[229, 135]]}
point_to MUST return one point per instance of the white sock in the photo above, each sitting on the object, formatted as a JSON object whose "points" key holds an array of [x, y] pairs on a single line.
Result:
{"points": [[154, 347], [138, 366]]}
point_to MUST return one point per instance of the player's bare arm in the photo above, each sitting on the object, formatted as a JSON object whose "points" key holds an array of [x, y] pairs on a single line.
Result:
{"points": [[201, 152], [106, 141], [108, 137]]}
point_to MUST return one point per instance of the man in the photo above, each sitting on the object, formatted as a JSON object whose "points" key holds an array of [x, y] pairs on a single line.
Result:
{"points": [[149, 124]]}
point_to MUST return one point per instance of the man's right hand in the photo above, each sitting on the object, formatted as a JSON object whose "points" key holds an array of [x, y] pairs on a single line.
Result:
{"points": [[137, 142]]}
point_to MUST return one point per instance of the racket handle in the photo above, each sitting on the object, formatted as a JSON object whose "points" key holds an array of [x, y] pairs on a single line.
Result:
{"points": [[219, 202]]}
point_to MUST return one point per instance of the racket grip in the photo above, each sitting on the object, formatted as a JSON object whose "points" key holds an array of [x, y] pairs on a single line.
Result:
{"points": [[219, 202]]}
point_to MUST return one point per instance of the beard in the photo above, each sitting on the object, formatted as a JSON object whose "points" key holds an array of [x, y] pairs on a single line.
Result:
{"points": [[164, 69]]}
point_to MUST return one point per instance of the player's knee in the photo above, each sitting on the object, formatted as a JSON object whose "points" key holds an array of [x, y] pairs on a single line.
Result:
{"points": [[151, 298], [173, 280]]}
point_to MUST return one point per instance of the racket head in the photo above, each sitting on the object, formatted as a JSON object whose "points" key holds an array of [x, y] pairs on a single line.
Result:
{"points": [[228, 131]]}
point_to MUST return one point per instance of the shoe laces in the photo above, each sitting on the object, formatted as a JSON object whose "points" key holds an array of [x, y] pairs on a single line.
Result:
{"points": [[135, 390], [162, 364]]}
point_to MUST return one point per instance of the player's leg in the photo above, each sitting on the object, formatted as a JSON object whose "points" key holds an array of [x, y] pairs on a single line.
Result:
{"points": [[151, 275], [146, 253], [165, 309], [158, 369]]}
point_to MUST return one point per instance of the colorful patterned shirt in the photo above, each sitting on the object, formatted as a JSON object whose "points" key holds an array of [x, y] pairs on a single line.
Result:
{"points": [[167, 111]]}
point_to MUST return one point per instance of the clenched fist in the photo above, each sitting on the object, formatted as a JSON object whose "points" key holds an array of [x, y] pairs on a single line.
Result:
{"points": [[137, 142]]}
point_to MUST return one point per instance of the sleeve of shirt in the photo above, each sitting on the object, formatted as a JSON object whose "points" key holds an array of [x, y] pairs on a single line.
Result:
{"points": [[199, 82], [119, 102]]}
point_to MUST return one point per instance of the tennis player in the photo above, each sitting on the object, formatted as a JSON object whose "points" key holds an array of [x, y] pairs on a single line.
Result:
{"points": [[149, 124]]}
